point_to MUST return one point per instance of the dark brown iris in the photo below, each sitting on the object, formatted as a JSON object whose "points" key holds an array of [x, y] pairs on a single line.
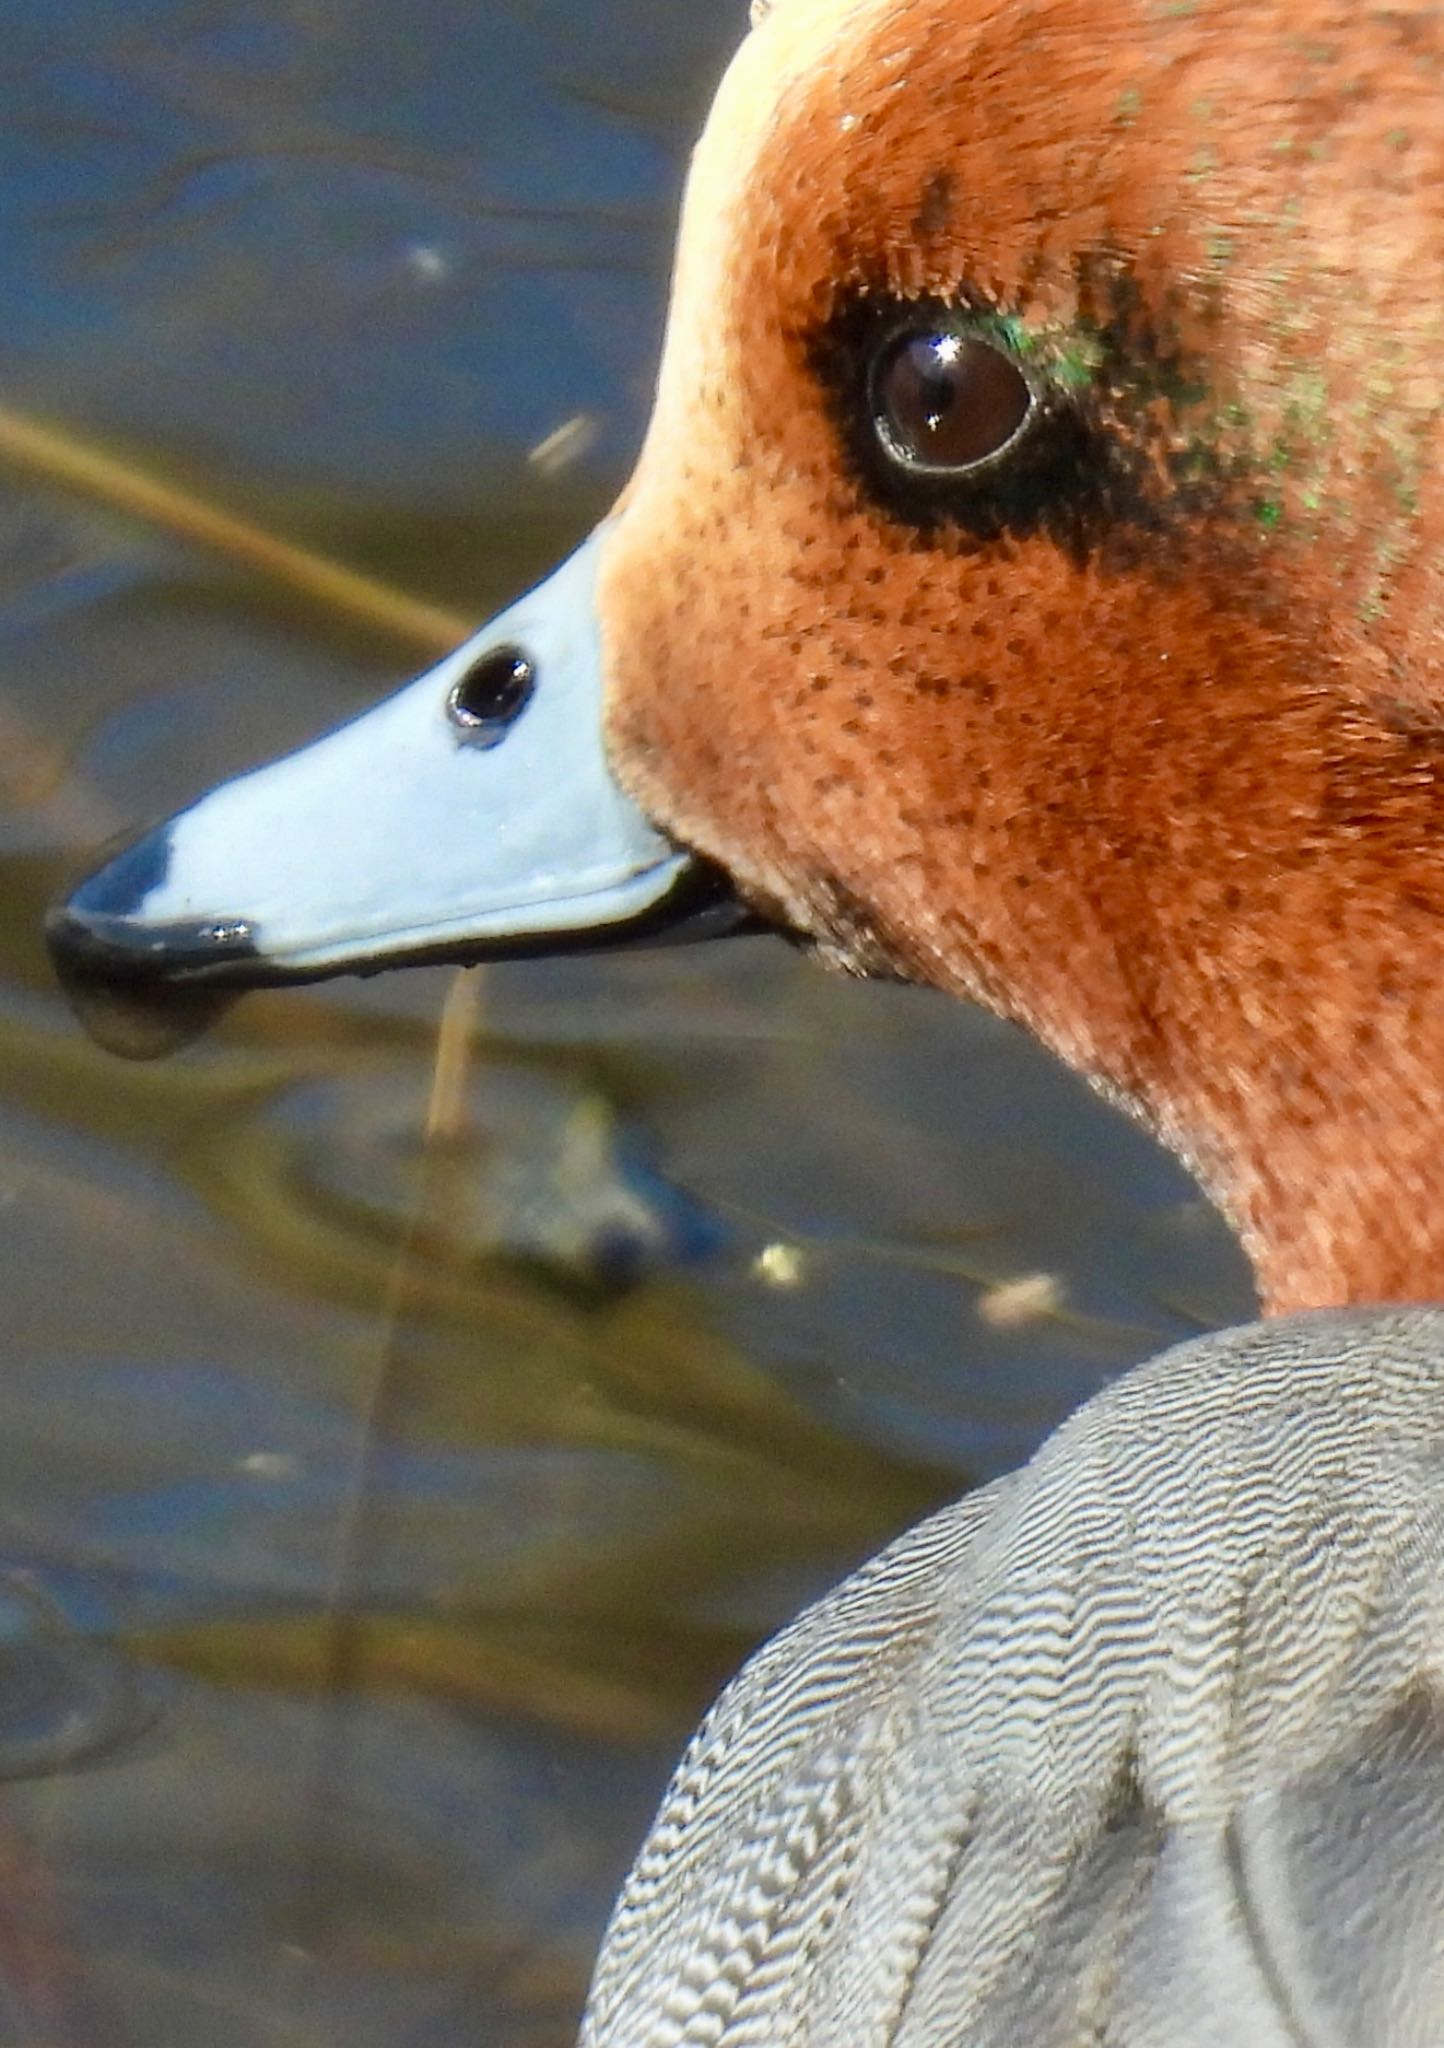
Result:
{"points": [[947, 402]]}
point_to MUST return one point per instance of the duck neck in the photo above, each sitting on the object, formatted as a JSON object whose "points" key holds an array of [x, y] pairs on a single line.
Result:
{"points": [[1332, 1176], [1263, 979], [1292, 1051]]}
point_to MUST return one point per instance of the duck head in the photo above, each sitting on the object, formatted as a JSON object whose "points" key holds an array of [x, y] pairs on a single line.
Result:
{"points": [[1029, 585]]}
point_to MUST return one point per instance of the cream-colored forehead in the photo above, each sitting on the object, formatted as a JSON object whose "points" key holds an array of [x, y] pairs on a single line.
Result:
{"points": [[761, 10], [792, 44]]}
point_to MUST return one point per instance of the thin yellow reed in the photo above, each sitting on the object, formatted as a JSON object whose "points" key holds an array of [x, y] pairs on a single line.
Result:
{"points": [[63, 458]]}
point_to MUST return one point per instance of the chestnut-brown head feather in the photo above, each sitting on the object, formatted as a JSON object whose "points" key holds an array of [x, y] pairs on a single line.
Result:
{"points": [[1135, 732]]}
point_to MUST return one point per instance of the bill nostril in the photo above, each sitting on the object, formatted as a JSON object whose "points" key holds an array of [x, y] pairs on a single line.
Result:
{"points": [[492, 694]]}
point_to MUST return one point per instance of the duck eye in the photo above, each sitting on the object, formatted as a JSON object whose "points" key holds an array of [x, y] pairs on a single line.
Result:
{"points": [[492, 694], [945, 403]]}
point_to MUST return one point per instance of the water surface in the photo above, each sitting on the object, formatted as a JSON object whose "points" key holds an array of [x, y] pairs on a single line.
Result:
{"points": [[376, 1519]]}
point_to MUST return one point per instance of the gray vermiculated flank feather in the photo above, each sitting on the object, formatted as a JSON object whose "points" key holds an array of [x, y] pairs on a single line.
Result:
{"points": [[1141, 1747]]}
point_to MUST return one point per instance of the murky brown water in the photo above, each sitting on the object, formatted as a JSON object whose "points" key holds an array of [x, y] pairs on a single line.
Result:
{"points": [[376, 1518]]}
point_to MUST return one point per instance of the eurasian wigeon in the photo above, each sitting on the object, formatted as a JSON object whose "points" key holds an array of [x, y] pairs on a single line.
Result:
{"points": [[1030, 584]]}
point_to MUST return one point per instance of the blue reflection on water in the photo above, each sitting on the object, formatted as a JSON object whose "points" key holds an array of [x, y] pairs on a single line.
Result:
{"points": [[390, 239]]}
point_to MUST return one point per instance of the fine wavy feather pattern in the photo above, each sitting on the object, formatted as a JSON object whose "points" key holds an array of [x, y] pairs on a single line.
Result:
{"points": [[1141, 1747]]}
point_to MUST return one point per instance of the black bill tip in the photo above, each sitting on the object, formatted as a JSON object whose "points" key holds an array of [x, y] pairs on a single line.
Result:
{"points": [[139, 987]]}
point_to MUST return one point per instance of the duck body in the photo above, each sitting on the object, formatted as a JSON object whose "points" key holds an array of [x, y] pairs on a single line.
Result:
{"points": [[1030, 585], [1141, 1745]]}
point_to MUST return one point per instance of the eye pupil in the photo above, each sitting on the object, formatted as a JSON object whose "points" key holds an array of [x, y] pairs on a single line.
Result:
{"points": [[945, 401], [492, 693]]}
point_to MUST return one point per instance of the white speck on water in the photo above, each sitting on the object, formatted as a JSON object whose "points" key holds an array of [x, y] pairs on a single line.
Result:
{"points": [[780, 1265], [426, 261], [566, 444], [1008, 1304], [271, 1465]]}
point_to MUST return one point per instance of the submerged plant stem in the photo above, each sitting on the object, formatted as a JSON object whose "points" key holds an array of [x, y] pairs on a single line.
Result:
{"points": [[352, 1630]]}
